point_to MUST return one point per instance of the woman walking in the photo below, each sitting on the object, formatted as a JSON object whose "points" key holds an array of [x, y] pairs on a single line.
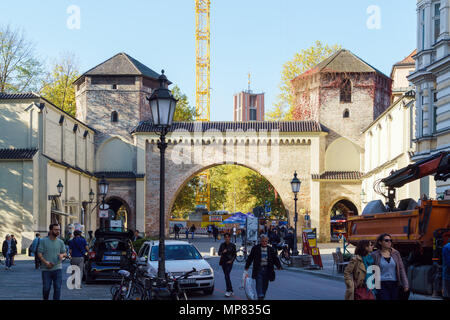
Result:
{"points": [[392, 271], [356, 275], [9, 249]]}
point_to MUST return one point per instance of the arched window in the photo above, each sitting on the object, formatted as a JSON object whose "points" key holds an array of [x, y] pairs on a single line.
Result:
{"points": [[114, 116], [346, 114], [346, 91]]}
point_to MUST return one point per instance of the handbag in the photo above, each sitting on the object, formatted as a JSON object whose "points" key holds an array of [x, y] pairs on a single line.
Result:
{"points": [[362, 293]]}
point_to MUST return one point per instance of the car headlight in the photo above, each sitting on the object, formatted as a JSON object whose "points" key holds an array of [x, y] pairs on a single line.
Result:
{"points": [[205, 272]]}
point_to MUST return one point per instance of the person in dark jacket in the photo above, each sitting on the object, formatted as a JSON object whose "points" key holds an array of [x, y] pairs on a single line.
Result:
{"points": [[192, 230], [215, 232], [176, 230], [446, 271], [227, 253], [9, 249], [15, 242], [393, 273], [263, 258]]}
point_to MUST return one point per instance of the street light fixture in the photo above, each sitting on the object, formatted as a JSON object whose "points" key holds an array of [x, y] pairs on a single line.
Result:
{"points": [[103, 186], [60, 188], [162, 107], [295, 184]]}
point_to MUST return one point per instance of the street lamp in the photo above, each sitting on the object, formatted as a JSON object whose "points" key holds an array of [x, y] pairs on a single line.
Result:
{"points": [[60, 188], [162, 107], [363, 196], [295, 184], [84, 205], [103, 186]]}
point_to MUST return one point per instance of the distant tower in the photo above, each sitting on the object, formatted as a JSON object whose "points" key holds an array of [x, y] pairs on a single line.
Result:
{"points": [[248, 106]]}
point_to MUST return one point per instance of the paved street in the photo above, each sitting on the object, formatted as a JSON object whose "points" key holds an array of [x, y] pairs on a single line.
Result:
{"points": [[23, 282]]}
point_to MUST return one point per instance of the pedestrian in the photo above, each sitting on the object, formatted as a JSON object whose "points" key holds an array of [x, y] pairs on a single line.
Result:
{"points": [[8, 250], [289, 239], [227, 253], [34, 250], [393, 275], [187, 232], [52, 251], [14, 254], [192, 230], [136, 236], [78, 249], [355, 274], [263, 258], [446, 271], [90, 233], [176, 230], [209, 231], [243, 235], [215, 233], [234, 234]]}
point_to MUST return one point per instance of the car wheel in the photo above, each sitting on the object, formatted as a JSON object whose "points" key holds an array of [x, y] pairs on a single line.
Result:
{"points": [[209, 291]]}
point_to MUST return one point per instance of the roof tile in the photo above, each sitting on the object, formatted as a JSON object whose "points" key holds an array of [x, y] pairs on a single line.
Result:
{"points": [[17, 154]]}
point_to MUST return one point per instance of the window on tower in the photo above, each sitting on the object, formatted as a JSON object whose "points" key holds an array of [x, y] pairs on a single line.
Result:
{"points": [[114, 116], [346, 91], [346, 114], [114, 87]]}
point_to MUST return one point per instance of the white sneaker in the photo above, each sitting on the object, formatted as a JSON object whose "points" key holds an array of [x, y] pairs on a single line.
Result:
{"points": [[227, 294]]}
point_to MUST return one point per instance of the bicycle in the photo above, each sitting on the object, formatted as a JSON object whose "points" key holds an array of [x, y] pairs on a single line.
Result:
{"points": [[130, 287], [284, 255], [166, 289]]}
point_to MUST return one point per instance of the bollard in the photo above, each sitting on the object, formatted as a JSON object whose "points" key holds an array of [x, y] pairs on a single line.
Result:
{"points": [[212, 251]]}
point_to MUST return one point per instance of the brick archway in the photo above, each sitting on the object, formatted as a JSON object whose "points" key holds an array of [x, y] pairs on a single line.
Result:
{"points": [[115, 203]]}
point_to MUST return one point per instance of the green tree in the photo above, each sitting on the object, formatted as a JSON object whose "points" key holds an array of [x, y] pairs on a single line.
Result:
{"points": [[20, 69], [58, 88], [301, 62], [185, 201], [183, 111]]}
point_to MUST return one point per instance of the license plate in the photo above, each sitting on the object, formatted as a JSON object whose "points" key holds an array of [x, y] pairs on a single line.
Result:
{"points": [[187, 281], [111, 258]]}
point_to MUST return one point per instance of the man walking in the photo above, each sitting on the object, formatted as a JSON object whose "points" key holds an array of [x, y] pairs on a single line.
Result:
{"points": [[263, 258], [78, 248], [215, 232], [9, 249], [13, 239], [51, 252], [176, 230], [192, 230], [34, 250], [227, 253], [234, 234]]}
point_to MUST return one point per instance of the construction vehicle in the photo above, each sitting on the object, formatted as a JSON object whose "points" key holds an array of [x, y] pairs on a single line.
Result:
{"points": [[419, 229]]}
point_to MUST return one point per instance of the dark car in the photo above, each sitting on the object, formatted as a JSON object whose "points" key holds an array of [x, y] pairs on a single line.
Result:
{"points": [[109, 252]]}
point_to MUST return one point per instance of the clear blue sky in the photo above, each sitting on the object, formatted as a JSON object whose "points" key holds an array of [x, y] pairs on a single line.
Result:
{"points": [[246, 35]]}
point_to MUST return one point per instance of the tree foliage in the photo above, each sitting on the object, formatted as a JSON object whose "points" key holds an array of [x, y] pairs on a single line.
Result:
{"points": [[20, 69], [183, 112], [58, 86], [301, 62]]}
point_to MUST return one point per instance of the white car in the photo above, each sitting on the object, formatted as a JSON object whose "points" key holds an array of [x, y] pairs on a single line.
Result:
{"points": [[181, 257]]}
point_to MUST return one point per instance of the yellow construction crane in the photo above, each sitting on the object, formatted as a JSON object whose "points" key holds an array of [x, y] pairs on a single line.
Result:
{"points": [[202, 92]]}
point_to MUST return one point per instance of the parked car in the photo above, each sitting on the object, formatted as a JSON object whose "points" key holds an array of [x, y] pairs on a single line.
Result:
{"points": [[181, 257], [109, 252]]}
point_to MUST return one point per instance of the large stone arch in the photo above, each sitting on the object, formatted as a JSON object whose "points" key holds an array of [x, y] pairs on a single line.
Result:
{"points": [[194, 172], [293, 155]]}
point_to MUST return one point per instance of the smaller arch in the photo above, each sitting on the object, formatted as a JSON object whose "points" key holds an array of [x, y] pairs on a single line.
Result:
{"points": [[346, 114], [114, 116]]}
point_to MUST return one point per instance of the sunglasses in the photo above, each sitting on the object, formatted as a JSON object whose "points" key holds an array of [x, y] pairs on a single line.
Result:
{"points": [[387, 240]]}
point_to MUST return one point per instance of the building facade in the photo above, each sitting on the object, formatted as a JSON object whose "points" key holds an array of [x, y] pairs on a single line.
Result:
{"points": [[432, 81], [248, 106], [41, 145]]}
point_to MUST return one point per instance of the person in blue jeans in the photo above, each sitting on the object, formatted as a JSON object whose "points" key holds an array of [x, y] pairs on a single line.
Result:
{"points": [[263, 258], [9, 249], [51, 252]]}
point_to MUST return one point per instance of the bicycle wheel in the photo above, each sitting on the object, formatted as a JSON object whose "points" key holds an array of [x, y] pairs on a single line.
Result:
{"points": [[240, 255], [118, 295], [136, 292], [181, 295]]}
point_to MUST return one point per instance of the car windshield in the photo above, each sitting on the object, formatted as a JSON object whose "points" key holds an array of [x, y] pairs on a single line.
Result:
{"points": [[177, 252]]}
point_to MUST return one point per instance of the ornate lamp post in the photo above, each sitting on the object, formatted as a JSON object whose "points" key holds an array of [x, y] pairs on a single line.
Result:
{"points": [[103, 187], [295, 184], [84, 205], [162, 107], [60, 188]]}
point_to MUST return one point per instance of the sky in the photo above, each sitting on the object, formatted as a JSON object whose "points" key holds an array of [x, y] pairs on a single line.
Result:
{"points": [[247, 36]]}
